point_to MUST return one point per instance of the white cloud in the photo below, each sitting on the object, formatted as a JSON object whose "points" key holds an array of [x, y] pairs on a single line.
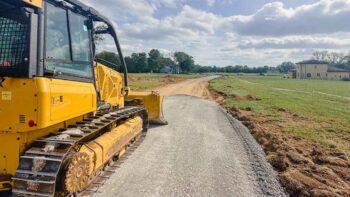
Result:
{"points": [[196, 20], [325, 16], [296, 42], [189, 23], [210, 2], [123, 10], [166, 3], [274, 33]]}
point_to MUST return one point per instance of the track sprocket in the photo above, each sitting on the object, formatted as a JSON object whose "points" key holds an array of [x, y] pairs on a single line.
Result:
{"points": [[77, 175]]}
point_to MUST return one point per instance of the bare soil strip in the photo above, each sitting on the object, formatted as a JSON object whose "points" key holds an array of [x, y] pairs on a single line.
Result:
{"points": [[192, 87], [305, 168]]}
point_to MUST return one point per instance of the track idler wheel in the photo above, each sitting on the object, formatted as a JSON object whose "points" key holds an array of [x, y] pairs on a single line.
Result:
{"points": [[77, 175]]}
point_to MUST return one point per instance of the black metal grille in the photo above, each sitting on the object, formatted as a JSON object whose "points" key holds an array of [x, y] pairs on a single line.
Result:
{"points": [[14, 44], [22, 119]]}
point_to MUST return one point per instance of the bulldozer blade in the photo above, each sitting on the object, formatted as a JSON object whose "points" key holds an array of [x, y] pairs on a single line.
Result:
{"points": [[152, 101]]}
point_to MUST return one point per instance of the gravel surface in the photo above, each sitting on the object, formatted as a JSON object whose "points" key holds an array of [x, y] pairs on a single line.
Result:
{"points": [[202, 152]]}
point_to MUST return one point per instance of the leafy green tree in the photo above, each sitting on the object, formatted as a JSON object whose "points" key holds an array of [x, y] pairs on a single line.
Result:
{"points": [[154, 60], [166, 61], [285, 67], [205, 69], [140, 62], [109, 59], [184, 61], [130, 64]]}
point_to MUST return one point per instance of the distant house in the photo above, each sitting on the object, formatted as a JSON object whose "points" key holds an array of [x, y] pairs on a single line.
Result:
{"points": [[314, 69], [168, 69]]}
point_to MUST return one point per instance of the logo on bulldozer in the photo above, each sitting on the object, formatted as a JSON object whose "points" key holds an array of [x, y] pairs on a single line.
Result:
{"points": [[6, 95]]}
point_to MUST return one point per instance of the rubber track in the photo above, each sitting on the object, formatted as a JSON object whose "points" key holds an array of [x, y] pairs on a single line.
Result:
{"points": [[43, 164]]}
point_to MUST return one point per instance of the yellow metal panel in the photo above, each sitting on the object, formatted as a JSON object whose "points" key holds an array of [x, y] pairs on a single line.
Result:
{"points": [[111, 143], [9, 151], [66, 100], [17, 104], [3, 163], [36, 3], [109, 83], [45, 101], [153, 102], [70, 100]]}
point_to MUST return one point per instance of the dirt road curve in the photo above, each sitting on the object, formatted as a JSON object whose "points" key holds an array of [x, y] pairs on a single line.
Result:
{"points": [[192, 87], [202, 152]]}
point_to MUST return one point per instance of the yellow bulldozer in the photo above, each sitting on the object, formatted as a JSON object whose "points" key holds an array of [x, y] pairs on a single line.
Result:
{"points": [[64, 116]]}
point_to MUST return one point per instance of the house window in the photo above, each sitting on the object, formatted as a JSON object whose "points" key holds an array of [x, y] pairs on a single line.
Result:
{"points": [[308, 75], [318, 75], [315, 66]]}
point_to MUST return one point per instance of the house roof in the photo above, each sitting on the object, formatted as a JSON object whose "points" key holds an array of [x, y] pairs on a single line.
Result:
{"points": [[334, 69], [312, 62]]}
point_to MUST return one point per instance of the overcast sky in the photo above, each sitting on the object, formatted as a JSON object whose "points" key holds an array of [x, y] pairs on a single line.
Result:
{"points": [[231, 32]]}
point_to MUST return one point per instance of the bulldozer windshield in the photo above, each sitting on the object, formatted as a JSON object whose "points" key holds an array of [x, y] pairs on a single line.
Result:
{"points": [[14, 41]]}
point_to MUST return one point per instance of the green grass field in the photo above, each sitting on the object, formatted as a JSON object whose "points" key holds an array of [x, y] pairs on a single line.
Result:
{"points": [[150, 80], [323, 107]]}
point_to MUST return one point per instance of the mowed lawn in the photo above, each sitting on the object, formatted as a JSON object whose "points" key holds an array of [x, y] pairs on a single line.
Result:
{"points": [[313, 109]]}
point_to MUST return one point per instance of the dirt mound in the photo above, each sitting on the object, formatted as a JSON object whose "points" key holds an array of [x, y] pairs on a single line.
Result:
{"points": [[170, 79], [246, 98], [238, 97], [133, 78], [305, 168]]}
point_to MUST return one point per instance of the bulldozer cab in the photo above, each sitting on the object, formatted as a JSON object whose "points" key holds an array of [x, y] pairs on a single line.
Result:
{"points": [[54, 39], [47, 69], [49, 46], [66, 52]]}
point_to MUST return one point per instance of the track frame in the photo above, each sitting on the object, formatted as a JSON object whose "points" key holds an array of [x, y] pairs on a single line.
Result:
{"points": [[43, 164]]}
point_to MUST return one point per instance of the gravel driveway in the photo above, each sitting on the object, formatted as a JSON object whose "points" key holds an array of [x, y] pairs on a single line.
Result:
{"points": [[202, 152]]}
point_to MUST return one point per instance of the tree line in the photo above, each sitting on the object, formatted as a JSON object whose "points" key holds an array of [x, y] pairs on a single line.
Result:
{"points": [[153, 61], [335, 59], [231, 69], [179, 62]]}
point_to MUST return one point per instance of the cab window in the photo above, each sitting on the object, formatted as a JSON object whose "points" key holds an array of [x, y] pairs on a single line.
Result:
{"points": [[67, 43], [57, 36], [80, 37]]}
